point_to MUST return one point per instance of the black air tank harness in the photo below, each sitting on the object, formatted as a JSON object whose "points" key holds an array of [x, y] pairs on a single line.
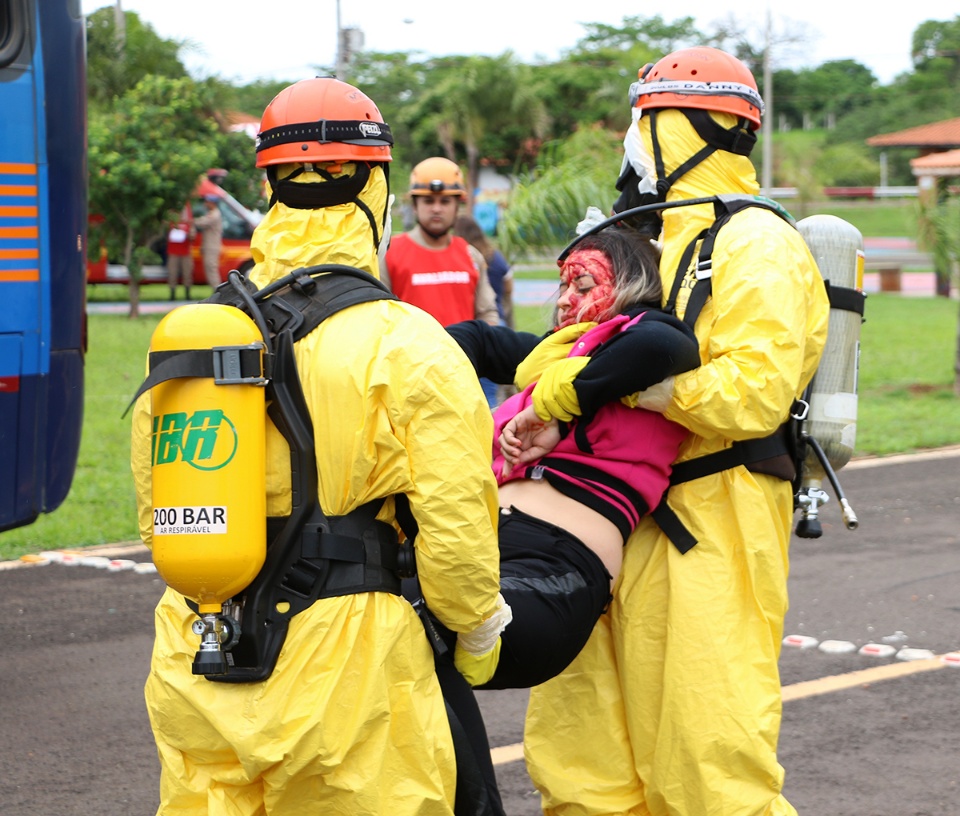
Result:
{"points": [[773, 455], [309, 555]]}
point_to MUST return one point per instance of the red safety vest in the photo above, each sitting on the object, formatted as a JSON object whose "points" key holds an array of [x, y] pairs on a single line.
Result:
{"points": [[442, 282]]}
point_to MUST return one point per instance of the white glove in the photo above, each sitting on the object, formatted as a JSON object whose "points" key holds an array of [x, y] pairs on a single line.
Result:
{"points": [[482, 639], [478, 652], [655, 398], [590, 220]]}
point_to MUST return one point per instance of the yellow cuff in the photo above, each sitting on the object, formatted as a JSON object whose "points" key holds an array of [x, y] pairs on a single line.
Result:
{"points": [[552, 348], [477, 669]]}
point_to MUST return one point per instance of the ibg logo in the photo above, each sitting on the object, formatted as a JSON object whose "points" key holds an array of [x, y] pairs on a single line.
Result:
{"points": [[205, 440]]}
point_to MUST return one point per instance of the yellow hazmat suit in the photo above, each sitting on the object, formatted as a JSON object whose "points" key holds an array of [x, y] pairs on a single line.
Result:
{"points": [[674, 705], [352, 720]]}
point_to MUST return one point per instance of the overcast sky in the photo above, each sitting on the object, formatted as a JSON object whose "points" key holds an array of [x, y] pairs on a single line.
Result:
{"points": [[244, 40]]}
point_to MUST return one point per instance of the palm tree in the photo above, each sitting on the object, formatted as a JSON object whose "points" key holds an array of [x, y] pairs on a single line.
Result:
{"points": [[476, 99]]}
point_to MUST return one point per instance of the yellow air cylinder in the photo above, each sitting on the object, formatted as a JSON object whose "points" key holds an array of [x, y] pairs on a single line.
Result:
{"points": [[208, 461]]}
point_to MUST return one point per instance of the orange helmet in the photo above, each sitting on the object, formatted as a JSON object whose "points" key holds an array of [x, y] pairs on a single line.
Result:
{"points": [[700, 77], [437, 175], [322, 120]]}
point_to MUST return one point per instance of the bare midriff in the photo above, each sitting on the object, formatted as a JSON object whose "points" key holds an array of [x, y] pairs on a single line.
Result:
{"points": [[540, 499]]}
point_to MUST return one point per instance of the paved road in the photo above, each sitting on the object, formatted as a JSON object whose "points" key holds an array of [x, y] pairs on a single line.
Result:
{"points": [[862, 735]]}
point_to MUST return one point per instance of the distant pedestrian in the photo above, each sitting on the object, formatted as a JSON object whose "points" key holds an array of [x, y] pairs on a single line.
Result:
{"points": [[501, 279], [498, 270], [431, 267], [211, 228], [179, 257]]}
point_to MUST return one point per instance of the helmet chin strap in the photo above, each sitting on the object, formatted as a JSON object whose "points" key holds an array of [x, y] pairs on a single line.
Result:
{"points": [[384, 243], [738, 139]]}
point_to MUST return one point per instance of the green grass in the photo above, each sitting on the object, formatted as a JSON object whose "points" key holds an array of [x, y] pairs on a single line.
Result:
{"points": [[877, 219], [908, 348], [100, 508], [906, 403], [120, 292]]}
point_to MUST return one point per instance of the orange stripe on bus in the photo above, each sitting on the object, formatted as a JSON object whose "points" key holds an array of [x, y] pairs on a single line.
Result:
{"points": [[19, 232], [18, 189], [18, 212], [19, 275], [19, 253], [14, 168]]}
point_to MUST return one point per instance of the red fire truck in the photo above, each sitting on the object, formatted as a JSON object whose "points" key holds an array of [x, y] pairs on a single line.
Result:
{"points": [[238, 225]]}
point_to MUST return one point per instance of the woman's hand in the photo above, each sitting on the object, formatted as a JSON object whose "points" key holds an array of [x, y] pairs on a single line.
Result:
{"points": [[526, 438]]}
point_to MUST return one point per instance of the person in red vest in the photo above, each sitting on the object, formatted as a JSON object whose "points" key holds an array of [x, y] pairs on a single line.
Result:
{"points": [[430, 267], [179, 259]]}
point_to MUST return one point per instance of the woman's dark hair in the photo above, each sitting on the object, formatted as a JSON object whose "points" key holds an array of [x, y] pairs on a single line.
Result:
{"points": [[635, 263], [468, 229]]}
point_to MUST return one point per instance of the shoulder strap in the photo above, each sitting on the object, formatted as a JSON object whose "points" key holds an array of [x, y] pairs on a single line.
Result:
{"points": [[748, 452], [302, 300], [725, 207]]}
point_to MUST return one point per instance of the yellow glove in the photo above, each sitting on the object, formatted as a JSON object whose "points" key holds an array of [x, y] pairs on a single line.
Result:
{"points": [[552, 348], [554, 396], [478, 652], [477, 669]]}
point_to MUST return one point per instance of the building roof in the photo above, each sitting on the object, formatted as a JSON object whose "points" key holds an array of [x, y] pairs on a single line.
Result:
{"points": [[937, 136], [944, 163], [242, 122]]}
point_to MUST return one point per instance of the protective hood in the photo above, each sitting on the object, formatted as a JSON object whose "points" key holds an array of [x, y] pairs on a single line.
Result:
{"points": [[720, 172], [289, 238]]}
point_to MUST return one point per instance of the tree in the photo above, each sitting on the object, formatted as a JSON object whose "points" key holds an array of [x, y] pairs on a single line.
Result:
{"points": [[837, 88], [936, 48], [589, 84], [939, 226], [547, 204], [396, 82], [251, 99], [235, 153], [473, 98], [145, 158], [115, 65]]}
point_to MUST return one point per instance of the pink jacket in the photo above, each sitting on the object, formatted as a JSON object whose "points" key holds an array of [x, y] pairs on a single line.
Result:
{"points": [[618, 464]]}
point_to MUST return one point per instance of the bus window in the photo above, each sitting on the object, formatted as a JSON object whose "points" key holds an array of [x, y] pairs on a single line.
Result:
{"points": [[12, 30]]}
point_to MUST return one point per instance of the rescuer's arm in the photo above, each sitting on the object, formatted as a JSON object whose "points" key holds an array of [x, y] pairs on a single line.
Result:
{"points": [[764, 344], [448, 441], [494, 351], [654, 348], [477, 653]]}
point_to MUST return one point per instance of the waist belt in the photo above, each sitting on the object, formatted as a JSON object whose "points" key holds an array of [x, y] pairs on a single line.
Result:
{"points": [[337, 559], [771, 456], [328, 557]]}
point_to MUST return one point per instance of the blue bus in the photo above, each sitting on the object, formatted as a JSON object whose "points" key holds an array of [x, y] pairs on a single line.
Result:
{"points": [[43, 217]]}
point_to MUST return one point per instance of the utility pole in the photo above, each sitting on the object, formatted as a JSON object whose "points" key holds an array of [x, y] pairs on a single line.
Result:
{"points": [[341, 70], [767, 173], [119, 26]]}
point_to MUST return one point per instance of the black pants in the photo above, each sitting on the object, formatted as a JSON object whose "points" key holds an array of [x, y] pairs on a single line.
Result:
{"points": [[477, 791], [557, 588]]}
